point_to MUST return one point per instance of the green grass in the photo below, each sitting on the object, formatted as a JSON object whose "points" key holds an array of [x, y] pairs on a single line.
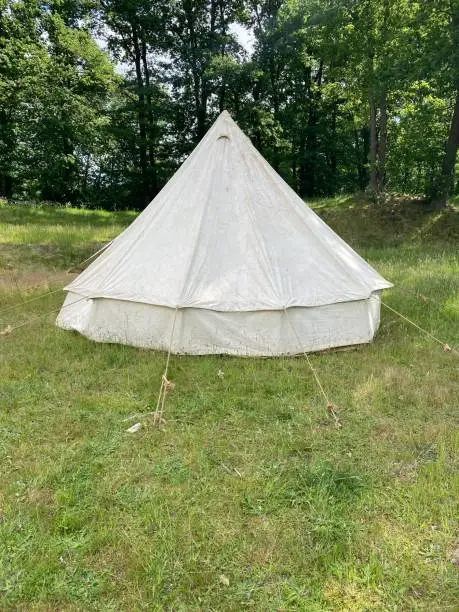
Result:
{"points": [[250, 498]]}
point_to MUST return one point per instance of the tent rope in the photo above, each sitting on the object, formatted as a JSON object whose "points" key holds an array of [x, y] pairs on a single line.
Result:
{"points": [[430, 301], [317, 378], [166, 384], [446, 347], [38, 297], [78, 265], [9, 329], [331, 408]]}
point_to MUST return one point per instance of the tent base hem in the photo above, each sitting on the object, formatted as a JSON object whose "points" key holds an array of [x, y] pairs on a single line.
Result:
{"points": [[263, 333]]}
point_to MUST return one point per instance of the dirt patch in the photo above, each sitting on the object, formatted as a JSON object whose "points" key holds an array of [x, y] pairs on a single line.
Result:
{"points": [[454, 557], [406, 471], [13, 280], [44, 257], [30, 267], [40, 496], [9, 252]]}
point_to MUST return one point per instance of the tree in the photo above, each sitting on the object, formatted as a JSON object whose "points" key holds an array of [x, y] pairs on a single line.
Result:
{"points": [[202, 55], [55, 86], [439, 60], [378, 68], [101, 100], [21, 58], [136, 31]]}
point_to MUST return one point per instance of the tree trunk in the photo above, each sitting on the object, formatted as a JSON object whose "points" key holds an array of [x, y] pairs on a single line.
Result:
{"points": [[6, 185], [445, 181], [361, 152], [303, 169], [273, 72], [7, 137], [255, 119], [382, 145], [141, 109], [69, 189], [373, 186], [199, 86], [153, 183], [222, 94], [221, 98], [308, 172], [294, 173], [309, 169], [333, 155], [202, 113], [84, 187]]}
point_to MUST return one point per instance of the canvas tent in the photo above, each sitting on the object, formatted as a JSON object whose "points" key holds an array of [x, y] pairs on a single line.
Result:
{"points": [[226, 259]]}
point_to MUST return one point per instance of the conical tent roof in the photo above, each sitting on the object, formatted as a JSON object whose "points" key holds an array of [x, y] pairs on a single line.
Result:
{"points": [[227, 233]]}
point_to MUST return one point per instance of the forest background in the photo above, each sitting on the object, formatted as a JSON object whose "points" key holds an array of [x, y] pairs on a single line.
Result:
{"points": [[101, 100]]}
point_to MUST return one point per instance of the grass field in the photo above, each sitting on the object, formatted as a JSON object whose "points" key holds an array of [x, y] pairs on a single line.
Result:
{"points": [[250, 498]]}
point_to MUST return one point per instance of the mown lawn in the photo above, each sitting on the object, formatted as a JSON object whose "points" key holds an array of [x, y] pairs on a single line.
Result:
{"points": [[250, 498]]}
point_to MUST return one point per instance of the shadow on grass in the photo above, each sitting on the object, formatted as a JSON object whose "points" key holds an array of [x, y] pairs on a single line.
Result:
{"points": [[352, 217], [400, 220], [52, 257], [47, 215]]}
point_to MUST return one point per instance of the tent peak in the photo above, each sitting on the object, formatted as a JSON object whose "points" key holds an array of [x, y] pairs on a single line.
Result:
{"points": [[223, 125], [225, 116]]}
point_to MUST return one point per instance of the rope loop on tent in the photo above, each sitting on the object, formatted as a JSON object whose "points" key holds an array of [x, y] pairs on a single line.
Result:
{"points": [[446, 347], [166, 384], [332, 409]]}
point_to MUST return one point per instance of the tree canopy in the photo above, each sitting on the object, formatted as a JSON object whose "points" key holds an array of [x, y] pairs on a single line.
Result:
{"points": [[101, 100]]}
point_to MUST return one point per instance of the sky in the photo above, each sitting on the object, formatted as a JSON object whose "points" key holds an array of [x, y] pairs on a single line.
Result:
{"points": [[244, 36]]}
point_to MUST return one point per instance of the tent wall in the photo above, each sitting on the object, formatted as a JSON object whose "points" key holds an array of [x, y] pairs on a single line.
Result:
{"points": [[201, 331]]}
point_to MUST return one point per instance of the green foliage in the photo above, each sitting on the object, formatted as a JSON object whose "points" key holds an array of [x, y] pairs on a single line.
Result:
{"points": [[100, 101], [56, 87], [417, 135]]}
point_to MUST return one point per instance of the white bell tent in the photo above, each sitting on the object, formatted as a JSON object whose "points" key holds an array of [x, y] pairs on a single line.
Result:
{"points": [[226, 259]]}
